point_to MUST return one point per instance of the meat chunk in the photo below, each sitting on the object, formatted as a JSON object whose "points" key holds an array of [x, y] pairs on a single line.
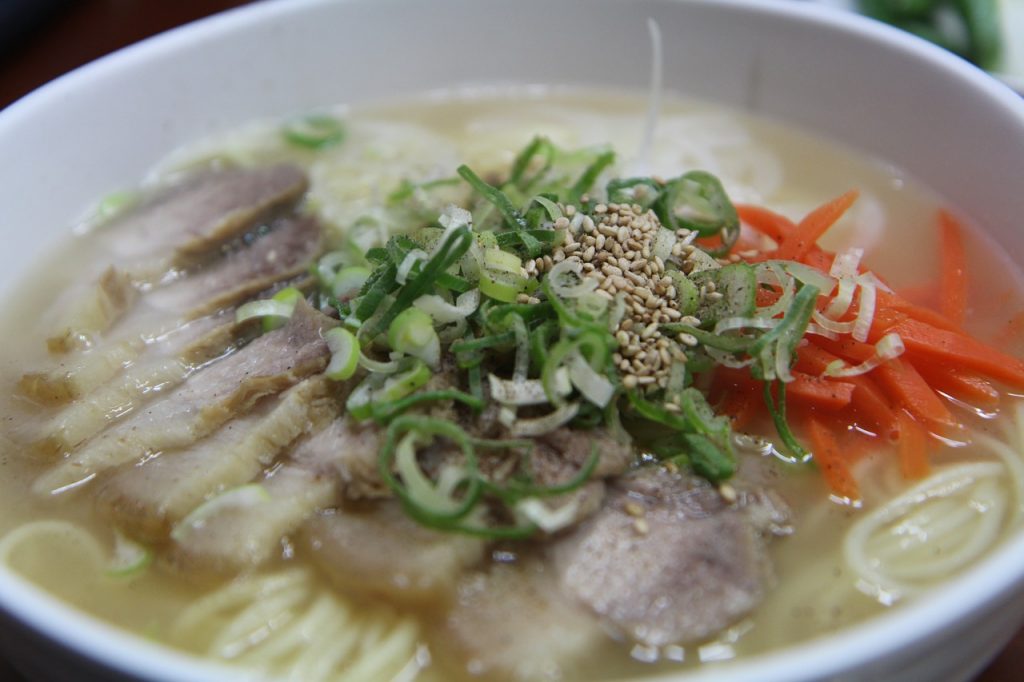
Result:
{"points": [[236, 538], [561, 454], [210, 397], [162, 367], [94, 311], [194, 217], [146, 500], [283, 253], [515, 622], [76, 375], [313, 476], [378, 550], [347, 450], [667, 560]]}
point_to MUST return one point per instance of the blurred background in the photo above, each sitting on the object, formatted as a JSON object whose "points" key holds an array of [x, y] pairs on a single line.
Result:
{"points": [[43, 39]]}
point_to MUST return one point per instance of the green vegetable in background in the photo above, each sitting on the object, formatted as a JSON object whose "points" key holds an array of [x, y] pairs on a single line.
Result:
{"points": [[969, 28]]}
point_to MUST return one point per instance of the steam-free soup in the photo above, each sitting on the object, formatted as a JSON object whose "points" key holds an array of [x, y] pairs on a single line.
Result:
{"points": [[529, 436]]}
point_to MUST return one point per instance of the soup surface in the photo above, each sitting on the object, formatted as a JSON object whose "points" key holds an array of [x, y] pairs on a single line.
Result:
{"points": [[834, 557]]}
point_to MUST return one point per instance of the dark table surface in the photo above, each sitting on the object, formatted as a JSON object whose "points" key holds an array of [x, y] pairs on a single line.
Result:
{"points": [[42, 39]]}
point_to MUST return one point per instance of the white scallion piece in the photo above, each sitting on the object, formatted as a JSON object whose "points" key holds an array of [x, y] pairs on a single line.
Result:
{"points": [[782, 361], [889, 347], [865, 311], [329, 264], [818, 330], [344, 347], [130, 558], [772, 273], [549, 520], [425, 494], [454, 217], [265, 308], [831, 325], [729, 324], [570, 269], [444, 312], [376, 366], [812, 276], [663, 243], [593, 386], [528, 392], [846, 264], [412, 332], [408, 263], [348, 281], [547, 423], [843, 299]]}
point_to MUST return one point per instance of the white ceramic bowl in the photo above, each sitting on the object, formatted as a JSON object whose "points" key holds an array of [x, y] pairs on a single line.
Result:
{"points": [[870, 87]]}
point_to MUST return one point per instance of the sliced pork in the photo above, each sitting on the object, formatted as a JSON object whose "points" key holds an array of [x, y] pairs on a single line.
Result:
{"points": [[667, 560], [286, 251], [376, 549], [207, 209], [162, 367], [211, 397], [95, 311], [146, 500], [239, 537], [514, 622]]}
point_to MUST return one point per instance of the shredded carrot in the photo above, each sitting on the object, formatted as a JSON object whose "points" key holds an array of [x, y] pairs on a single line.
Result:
{"points": [[900, 381], [772, 225], [890, 304], [811, 391], [926, 343], [828, 455], [796, 245], [742, 407], [913, 447], [898, 400], [857, 445], [960, 383], [867, 401], [953, 282]]}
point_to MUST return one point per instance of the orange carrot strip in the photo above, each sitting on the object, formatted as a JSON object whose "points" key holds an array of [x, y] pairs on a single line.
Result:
{"points": [[925, 343], [913, 447], [742, 406], [805, 390], [856, 445], [889, 304], [813, 226], [825, 393], [868, 401], [817, 258], [768, 223], [900, 381], [829, 457], [960, 383], [953, 276]]}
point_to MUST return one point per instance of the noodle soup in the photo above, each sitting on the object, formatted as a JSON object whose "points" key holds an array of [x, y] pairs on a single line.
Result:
{"points": [[151, 542]]}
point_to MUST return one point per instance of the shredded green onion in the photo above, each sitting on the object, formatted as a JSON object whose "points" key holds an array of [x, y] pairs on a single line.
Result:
{"points": [[274, 311], [412, 332], [344, 347], [314, 132]]}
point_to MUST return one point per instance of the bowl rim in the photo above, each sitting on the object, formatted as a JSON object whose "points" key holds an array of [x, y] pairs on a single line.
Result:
{"points": [[979, 587]]}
